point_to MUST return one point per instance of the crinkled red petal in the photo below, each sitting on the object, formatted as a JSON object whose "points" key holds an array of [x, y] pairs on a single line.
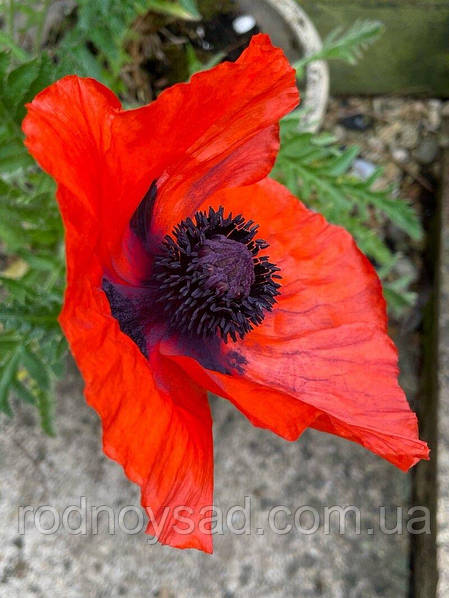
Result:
{"points": [[324, 345], [220, 129], [156, 420]]}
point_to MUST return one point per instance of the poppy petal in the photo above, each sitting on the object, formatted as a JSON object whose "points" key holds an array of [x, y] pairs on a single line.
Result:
{"points": [[264, 406], [325, 344], [156, 421], [218, 129], [68, 131]]}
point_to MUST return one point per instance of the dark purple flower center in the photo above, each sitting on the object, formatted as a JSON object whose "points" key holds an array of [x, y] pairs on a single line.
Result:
{"points": [[210, 278], [227, 266], [206, 280]]}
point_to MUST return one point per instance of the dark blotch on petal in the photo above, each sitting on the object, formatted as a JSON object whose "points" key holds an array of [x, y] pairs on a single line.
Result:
{"points": [[128, 315], [209, 353], [136, 319], [206, 351], [141, 219], [236, 362]]}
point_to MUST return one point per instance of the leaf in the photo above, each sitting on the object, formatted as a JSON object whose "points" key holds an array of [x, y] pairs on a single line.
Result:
{"points": [[183, 9], [398, 301], [45, 408], [193, 63], [296, 149], [36, 368], [19, 81], [14, 156], [83, 62], [317, 170], [15, 288], [12, 235], [402, 214], [5, 59], [341, 164], [371, 244], [23, 392], [8, 341], [9, 44], [7, 373], [190, 7], [346, 46], [43, 262]]}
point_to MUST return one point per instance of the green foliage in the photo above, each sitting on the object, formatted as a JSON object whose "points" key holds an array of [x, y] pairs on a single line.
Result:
{"points": [[183, 9], [95, 45], [31, 344]]}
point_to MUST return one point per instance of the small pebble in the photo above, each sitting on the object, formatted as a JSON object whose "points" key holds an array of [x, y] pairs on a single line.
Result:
{"points": [[376, 145], [200, 31], [378, 105], [389, 133], [339, 132], [400, 154], [435, 169], [427, 150], [407, 136], [363, 169], [434, 114], [243, 24], [413, 168]]}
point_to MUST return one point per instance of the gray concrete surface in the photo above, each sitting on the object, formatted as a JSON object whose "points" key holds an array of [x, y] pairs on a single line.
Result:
{"points": [[443, 403], [318, 470]]}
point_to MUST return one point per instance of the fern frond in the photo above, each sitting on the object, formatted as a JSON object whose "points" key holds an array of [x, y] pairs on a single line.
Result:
{"points": [[344, 45]]}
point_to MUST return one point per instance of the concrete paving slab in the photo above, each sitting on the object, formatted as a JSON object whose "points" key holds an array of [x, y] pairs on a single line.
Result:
{"points": [[318, 470]]}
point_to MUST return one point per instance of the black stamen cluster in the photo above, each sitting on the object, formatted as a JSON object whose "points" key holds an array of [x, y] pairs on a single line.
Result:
{"points": [[211, 279]]}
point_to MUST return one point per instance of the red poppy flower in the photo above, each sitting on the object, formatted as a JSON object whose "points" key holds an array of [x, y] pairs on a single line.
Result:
{"points": [[172, 293]]}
